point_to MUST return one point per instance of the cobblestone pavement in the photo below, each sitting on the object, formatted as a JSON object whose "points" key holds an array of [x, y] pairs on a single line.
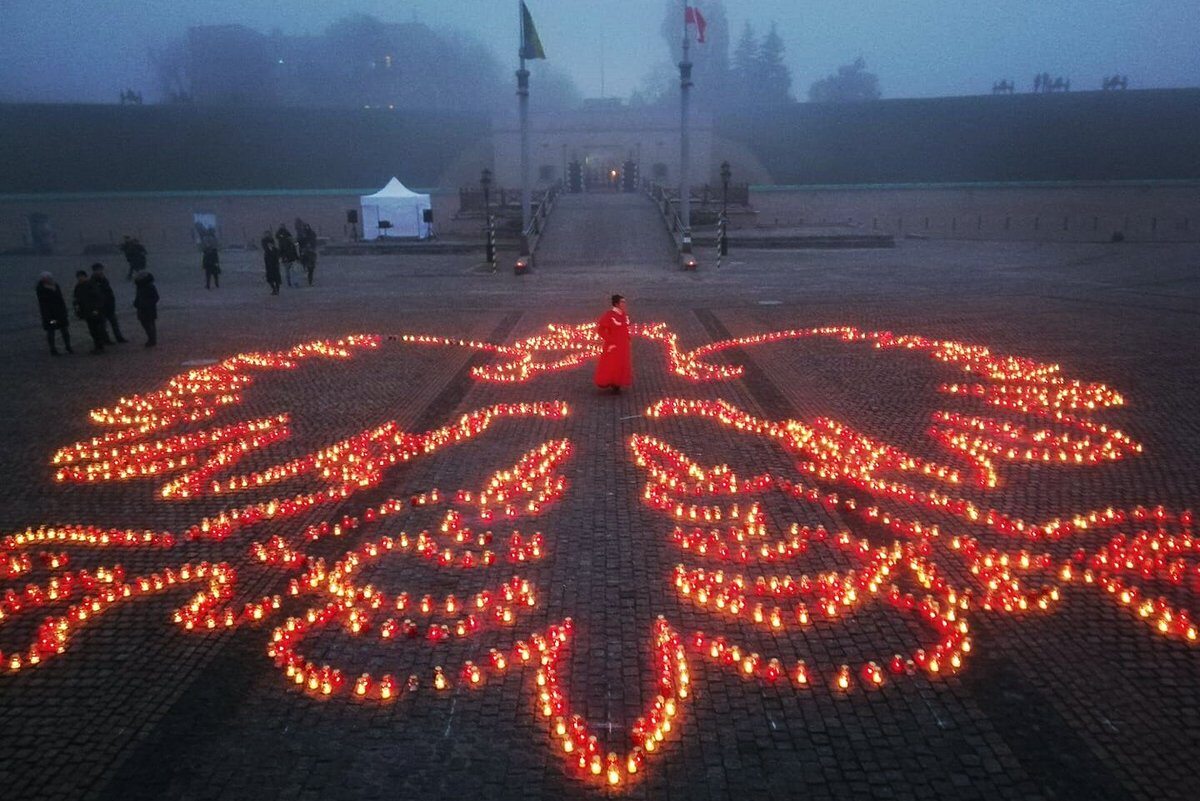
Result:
{"points": [[1081, 701]]}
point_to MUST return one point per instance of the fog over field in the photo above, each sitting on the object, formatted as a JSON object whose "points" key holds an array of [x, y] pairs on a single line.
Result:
{"points": [[92, 50]]}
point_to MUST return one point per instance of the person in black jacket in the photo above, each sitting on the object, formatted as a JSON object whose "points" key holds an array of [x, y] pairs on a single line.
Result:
{"points": [[89, 307], [108, 301], [146, 302], [54, 312], [271, 261], [211, 263], [135, 255], [287, 250]]}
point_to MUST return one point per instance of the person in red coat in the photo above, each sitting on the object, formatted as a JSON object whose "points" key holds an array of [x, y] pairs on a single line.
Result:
{"points": [[615, 368]]}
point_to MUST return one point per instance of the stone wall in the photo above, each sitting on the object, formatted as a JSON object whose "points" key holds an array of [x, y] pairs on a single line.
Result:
{"points": [[163, 221], [1148, 212]]}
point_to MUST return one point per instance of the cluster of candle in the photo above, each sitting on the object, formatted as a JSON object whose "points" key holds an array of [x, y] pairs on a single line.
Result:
{"points": [[102, 588], [1163, 549], [189, 397], [718, 517], [88, 536], [361, 462], [945, 655], [1000, 580], [327, 680], [87, 462], [579, 746], [825, 597], [197, 394]]}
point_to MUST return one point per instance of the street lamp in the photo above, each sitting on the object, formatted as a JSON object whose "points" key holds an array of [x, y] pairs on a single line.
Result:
{"points": [[723, 223], [726, 173], [485, 183]]}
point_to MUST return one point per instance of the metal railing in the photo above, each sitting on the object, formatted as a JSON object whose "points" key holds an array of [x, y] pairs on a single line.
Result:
{"points": [[665, 201], [531, 237]]}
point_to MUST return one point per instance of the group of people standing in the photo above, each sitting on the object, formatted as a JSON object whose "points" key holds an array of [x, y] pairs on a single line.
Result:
{"points": [[95, 303], [281, 248]]}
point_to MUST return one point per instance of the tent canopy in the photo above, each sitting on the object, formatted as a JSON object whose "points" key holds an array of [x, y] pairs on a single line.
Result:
{"points": [[395, 211]]}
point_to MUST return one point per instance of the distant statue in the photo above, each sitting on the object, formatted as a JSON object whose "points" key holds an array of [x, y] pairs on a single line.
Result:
{"points": [[1037, 83]]}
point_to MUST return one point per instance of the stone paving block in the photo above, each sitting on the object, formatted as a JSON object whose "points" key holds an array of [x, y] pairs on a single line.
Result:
{"points": [[1081, 701]]}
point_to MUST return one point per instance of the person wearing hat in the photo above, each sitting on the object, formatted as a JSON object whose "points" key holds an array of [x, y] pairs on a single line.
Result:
{"points": [[615, 367], [54, 311], [89, 307]]}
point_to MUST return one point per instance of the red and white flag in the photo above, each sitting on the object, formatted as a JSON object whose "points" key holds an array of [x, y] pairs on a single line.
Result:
{"points": [[692, 16]]}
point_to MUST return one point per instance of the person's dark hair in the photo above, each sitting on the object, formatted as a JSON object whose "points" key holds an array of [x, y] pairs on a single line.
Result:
{"points": [[97, 266], [81, 274], [617, 299]]}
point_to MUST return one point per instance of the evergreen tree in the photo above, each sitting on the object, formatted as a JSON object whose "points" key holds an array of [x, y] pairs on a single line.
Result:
{"points": [[746, 67], [775, 79]]}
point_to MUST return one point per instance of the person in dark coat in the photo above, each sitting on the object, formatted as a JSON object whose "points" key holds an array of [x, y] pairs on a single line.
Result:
{"points": [[135, 255], [306, 241], [287, 250], [108, 303], [308, 259], [145, 300], [211, 263], [89, 307], [271, 262], [54, 312]]}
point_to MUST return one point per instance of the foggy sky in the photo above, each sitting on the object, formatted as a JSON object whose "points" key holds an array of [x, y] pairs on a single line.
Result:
{"points": [[89, 50]]}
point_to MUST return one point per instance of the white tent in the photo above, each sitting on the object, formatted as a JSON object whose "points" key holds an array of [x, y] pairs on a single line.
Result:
{"points": [[404, 209]]}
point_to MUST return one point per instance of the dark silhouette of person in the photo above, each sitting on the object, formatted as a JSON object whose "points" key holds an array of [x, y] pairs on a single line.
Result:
{"points": [[145, 300], [271, 262], [89, 307], [210, 262], [108, 304], [135, 255], [54, 312], [287, 250], [308, 257]]}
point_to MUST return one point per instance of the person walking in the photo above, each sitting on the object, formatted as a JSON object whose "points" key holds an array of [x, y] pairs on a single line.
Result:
{"points": [[271, 262], [54, 312], [108, 303], [89, 307], [135, 255], [615, 367], [145, 300], [211, 264], [287, 251]]}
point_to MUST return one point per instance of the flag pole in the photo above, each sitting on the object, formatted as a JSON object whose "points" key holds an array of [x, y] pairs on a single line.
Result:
{"points": [[523, 108], [685, 189]]}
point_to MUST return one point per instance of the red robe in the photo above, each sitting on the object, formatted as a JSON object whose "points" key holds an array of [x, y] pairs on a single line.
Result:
{"points": [[615, 367]]}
